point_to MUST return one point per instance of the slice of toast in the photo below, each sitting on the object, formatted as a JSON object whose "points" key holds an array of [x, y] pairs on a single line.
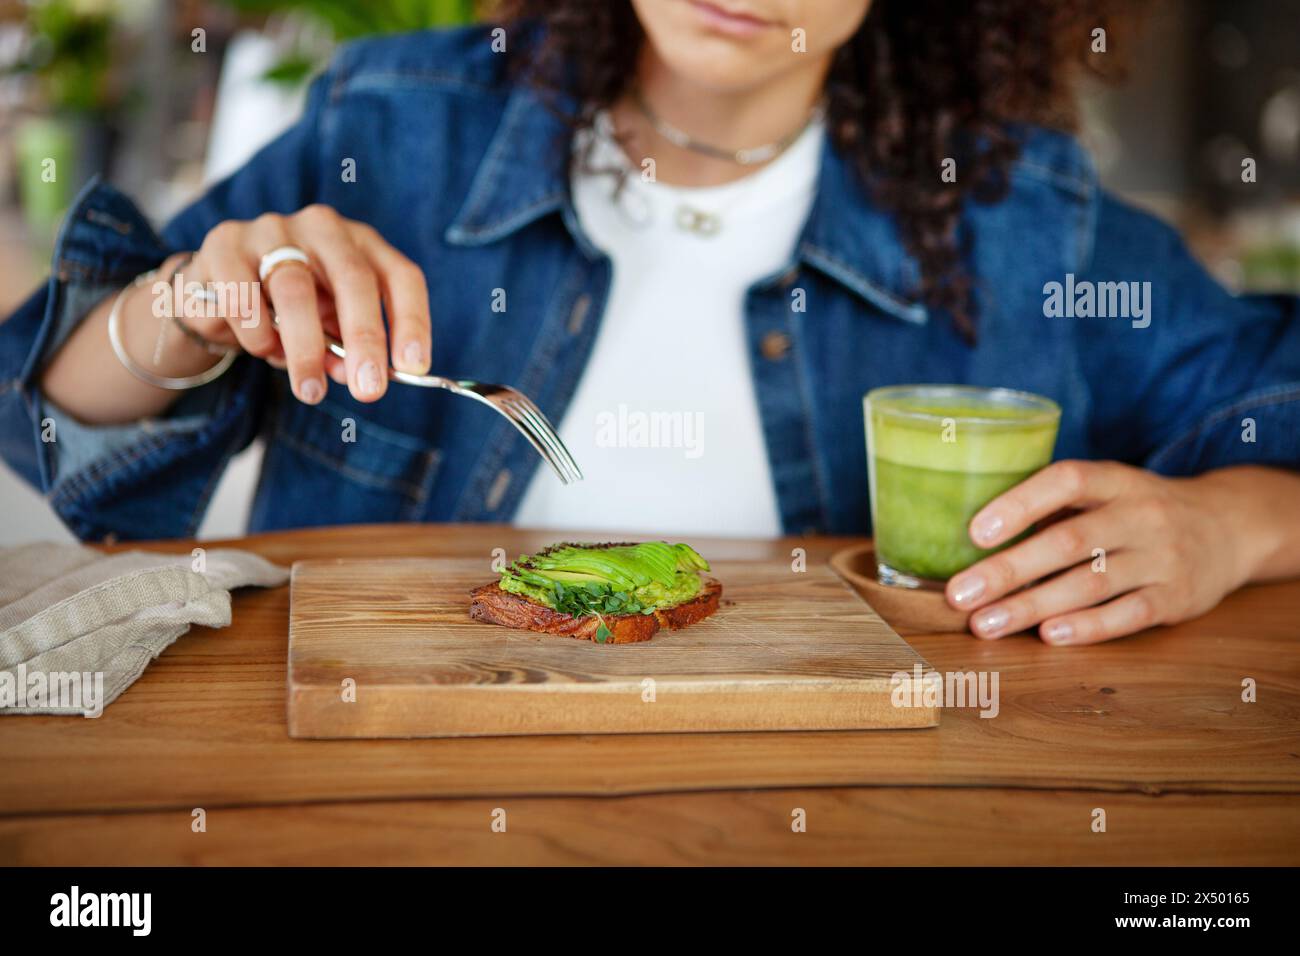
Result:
{"points": [[491, 604]]}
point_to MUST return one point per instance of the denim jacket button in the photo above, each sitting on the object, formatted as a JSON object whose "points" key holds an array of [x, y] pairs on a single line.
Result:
{"points": [[578, 316], [774, 346]]}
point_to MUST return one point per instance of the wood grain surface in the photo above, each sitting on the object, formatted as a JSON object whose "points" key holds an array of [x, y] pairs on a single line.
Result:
{"points": [[385, 648], [907, 611], [1155, 722], [868, 827]]}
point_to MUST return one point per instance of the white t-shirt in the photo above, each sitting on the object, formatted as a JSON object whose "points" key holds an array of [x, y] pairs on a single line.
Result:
{"points": [[664, 423]]}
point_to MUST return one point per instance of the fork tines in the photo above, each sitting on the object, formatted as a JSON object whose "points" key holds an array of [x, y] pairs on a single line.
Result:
{"points": [[528, 418]]}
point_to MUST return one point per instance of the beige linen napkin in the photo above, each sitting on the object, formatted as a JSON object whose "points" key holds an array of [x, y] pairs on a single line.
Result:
{"points": [[77, 627]]}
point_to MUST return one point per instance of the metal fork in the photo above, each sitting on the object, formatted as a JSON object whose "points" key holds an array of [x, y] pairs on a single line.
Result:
{"points": [[510, 402]]}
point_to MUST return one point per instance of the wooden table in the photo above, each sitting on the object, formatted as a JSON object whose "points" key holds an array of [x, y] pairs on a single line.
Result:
{"points": [[1152, 730]]}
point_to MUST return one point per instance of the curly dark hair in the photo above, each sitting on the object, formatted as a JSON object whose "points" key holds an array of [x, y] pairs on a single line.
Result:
{"points": [[921, 81]]}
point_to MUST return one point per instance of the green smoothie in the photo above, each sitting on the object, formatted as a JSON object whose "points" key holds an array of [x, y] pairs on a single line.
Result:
{"points": [[936, 454]]}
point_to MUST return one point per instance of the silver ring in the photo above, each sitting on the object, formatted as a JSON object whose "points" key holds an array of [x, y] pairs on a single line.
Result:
{"points": [[209, 296], [278, 257]]}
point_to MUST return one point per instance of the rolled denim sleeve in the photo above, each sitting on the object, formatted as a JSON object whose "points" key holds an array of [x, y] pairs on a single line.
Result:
{"points": [[1210, 380], [150, 479]]}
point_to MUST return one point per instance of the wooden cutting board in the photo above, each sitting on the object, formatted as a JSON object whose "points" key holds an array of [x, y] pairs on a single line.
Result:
{"points": [[386, 648]]}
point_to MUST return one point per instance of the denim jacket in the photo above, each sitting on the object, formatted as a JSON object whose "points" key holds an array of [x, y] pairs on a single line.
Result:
{"points": [[465, 170]]}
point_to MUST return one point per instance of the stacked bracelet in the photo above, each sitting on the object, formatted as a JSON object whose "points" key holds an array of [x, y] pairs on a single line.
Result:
{"points": [[229, 354]]}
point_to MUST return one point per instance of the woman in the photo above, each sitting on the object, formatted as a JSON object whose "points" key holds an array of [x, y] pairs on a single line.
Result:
{"points": [[737, 215]]}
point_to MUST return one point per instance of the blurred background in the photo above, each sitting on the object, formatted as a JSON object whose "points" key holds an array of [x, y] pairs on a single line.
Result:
{"points": [[163, 97]]}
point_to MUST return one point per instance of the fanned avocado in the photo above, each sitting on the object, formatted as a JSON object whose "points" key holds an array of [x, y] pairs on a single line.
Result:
{"points": [[607, 593], [616, 578]]}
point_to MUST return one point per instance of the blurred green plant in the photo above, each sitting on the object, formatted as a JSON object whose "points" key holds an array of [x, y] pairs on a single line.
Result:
{"points": [[1272, 268], [348, 19], [70, 54]]}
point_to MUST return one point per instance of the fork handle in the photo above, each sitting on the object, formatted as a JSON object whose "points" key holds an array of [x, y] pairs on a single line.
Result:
{"points": [[406, 378]]}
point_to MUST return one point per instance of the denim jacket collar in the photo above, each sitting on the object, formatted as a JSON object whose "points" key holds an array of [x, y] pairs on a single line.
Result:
{"points": [[524, 177]]}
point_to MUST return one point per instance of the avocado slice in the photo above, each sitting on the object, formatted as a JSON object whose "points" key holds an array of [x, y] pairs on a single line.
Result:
{"points": [[653, 573], [571, 577]]}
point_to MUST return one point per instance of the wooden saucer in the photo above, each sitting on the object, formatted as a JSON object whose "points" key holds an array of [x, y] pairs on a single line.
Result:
{"points": [[907, 611]]}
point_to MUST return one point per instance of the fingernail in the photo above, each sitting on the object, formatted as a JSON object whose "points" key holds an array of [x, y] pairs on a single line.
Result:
{"points": [[986, 529], [967, 589], [311, 391], [413, 355], [991, 621], [368, 379], [1058, 633]]}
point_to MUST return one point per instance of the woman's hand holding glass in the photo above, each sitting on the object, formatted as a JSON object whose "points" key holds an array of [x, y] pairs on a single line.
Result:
{"points": [[1123, 549]]}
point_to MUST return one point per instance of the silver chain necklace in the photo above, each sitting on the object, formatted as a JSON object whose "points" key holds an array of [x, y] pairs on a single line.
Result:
{"points": [[752, 156], [702, 222]]}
